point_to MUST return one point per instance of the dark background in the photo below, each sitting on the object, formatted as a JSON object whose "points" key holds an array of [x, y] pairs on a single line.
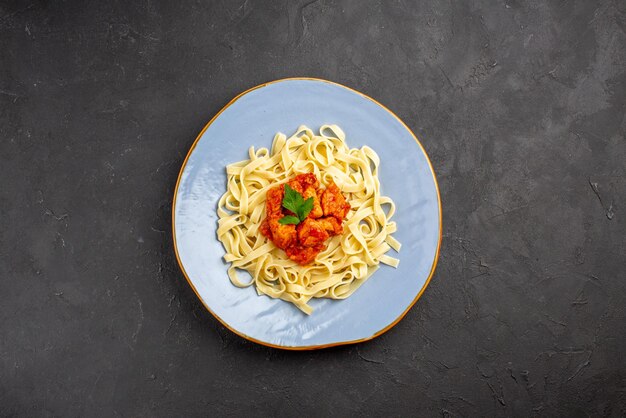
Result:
{"points": [[520, 105]]}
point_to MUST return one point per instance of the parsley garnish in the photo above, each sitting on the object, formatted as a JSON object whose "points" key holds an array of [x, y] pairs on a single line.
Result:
{"points": [[294, 202], [289, 220]]}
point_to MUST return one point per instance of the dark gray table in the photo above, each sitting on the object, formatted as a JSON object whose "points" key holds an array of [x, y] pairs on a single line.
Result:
{"points": [[520, 106]]}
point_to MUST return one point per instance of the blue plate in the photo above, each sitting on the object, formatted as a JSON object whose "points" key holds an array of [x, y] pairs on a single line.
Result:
{"points": [[405, 173]]}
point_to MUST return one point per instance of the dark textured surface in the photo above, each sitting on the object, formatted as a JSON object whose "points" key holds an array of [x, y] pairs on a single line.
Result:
{"points": [[520, 106]]}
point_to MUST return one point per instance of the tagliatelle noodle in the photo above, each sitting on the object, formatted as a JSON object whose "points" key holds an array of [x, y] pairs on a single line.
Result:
{"points": [[350, 258]]}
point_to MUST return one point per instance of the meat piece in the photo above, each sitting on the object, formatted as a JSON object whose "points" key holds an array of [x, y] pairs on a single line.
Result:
{"points": [[283, 236], [273, 202], [304, 255], [302, 181], [331, 225], [311, 233], [265, 229], [316, 212], [334, 203]]}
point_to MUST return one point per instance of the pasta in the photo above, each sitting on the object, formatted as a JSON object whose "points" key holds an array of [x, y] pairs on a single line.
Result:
{"points": [[349, 260]]}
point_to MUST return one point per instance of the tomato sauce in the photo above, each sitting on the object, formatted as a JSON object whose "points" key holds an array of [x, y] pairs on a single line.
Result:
{"points": [[304, 241]]}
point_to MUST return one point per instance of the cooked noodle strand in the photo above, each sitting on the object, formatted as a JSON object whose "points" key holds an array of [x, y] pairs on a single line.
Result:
{"points": [[349, 260]]}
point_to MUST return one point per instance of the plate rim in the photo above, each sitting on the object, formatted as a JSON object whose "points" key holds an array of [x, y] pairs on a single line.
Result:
{"points": [[308, 347]]}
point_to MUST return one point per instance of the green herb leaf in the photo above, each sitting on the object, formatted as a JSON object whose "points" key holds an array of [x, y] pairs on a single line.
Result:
{"points": [[292, 199], [289, 220], [294, 202], [305, 209]]}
